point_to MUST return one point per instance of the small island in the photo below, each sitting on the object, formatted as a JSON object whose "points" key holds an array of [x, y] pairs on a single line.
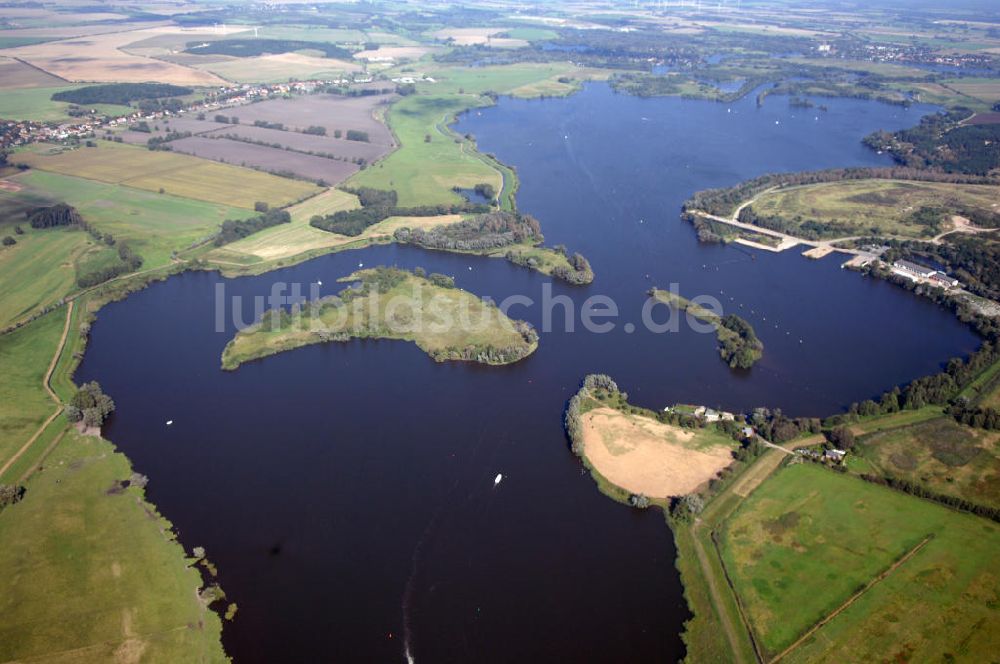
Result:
{"points": [[637, 455], [739, 346], [445, 322]]}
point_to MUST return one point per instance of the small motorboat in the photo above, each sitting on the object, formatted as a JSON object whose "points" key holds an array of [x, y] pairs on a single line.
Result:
{"points": [[497, 479]]}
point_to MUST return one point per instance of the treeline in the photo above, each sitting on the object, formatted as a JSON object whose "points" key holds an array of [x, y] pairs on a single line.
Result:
{"points": [[598, 384], [979, 418], [233, 229], [128, 261], [484, 232], [723, 202], [120, 93], [246, 48], [490, 354], [378, 205], [920, 491], [941, 389], [940, 142]]}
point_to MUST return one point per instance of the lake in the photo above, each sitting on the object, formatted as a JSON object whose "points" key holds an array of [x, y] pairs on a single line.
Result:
{"points": [[346, 491]]}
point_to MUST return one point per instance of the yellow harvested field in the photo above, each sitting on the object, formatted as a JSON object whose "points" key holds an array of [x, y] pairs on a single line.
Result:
{"points": [[100, 58], [473, 36], [394, 53], [298, 237], [646, 457], [327, 202], [176, 174]]}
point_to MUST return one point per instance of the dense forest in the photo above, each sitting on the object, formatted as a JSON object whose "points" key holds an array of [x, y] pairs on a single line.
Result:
{"points": [[484, 232], [940, 142], [245, 48], [120, 93]]}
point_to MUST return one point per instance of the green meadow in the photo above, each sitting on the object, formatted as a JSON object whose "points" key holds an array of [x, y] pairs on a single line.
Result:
{"points": [[422, 171], [809, 539], [93, 574]]}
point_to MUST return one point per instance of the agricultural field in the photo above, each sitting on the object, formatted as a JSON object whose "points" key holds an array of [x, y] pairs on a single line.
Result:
{"points": [[984, 89], [478, 36], [44, 265], [290, 241], [28, 103], [333, 112], [276, 68], [294, 140], [40, 269], [101, 58], [865, 207], [395, 54], [809, 539], [942, 455], [155, 225], [651, 458], [16, 75], [174, 174], [265, 158]]}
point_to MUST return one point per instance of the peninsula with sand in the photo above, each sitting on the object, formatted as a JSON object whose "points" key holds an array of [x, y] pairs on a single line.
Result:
{"points": [[637, 455]]}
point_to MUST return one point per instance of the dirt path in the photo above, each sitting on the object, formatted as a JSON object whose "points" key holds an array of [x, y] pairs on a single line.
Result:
{"points": [[853, 598], [720, 607], [48, 388]]}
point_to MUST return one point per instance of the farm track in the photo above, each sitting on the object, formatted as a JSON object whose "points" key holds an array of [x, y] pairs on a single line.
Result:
{"points": [[48, 388]]}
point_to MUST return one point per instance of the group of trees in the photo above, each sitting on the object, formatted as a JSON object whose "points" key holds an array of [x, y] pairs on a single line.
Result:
{"points": [[740, 348], [10, 494], [51, 216], [483, 232], [235, 229], [89, 405], [120, 93]]}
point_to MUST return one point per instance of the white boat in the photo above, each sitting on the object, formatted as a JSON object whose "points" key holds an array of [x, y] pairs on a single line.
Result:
{"points": [[169, 422], [497, 479]]}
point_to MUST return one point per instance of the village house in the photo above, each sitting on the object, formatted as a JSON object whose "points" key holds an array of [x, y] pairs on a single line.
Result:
{"points": [[835, 455]]}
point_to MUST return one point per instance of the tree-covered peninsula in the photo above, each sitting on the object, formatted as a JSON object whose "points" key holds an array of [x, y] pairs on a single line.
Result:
{"points": [[739, 346]]}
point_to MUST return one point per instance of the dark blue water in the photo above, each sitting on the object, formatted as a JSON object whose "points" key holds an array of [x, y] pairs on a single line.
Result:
{"points": [[346, 492]]}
